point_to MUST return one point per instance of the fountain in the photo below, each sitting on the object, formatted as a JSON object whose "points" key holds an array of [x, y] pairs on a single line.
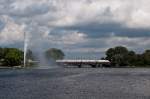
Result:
{"points": [[38, 53], [25, 48]]}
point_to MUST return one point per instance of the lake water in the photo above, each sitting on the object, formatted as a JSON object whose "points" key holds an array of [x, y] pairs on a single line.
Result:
{"points": [[75, 83]]}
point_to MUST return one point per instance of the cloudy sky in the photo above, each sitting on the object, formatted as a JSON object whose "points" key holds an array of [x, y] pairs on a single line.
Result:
{"points": [[79, 27]]}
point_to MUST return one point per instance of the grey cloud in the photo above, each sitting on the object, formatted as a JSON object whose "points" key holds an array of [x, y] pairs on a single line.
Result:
{"points": [[104, 30], [7, 8], [33, 10], [2, 25], [104, 22]]}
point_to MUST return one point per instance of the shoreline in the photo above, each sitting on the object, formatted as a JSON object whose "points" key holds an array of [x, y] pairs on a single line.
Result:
{"points": [[19, 67]]}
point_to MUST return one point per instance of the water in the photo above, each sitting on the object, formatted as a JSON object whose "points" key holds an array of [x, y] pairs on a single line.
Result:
{"points": [[75, 83]]}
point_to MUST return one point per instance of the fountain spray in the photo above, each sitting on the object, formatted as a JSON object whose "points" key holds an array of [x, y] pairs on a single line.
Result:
{"points": [[25, 48]]}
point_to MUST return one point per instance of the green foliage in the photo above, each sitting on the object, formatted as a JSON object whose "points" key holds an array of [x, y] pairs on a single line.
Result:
{"points": [[131, 58], [117, 56], [146, 57], [1, 53], [30, 55], [121, 56], [54, 54], [13, 57]]}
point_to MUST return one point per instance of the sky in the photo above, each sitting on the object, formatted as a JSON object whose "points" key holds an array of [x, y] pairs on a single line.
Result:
{"points": [[81, 28]]}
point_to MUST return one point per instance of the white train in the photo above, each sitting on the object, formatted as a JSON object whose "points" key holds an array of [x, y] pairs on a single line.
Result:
{"points": [[80, 63]]}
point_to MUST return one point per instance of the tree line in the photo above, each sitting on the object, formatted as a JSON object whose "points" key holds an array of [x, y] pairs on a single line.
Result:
{"points": [[120, 57], [14, 57]]}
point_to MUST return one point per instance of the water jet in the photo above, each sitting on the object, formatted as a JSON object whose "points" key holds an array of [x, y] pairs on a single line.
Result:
{"points": [[25, 48]]}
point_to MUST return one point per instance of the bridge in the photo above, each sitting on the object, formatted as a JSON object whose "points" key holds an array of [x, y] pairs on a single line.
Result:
{"points": [[80, 63]]}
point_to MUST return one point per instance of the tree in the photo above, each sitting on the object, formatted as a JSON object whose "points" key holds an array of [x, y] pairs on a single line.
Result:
{"points": [[1, 53], [110, 53], [30, 55], [146, 57], [13, 57], [54, 54], [121, 50], [131, 58], [117, 56]]}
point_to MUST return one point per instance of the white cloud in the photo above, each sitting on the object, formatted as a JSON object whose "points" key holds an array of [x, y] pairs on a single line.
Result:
{"points": [[129, 12], [74, 38], [69, 12], [11, 33], [86, 50], [69, 38], [41, 17]]}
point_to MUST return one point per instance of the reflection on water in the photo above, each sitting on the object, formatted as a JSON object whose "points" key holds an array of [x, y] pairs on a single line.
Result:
{"points": [[47, 67]]}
